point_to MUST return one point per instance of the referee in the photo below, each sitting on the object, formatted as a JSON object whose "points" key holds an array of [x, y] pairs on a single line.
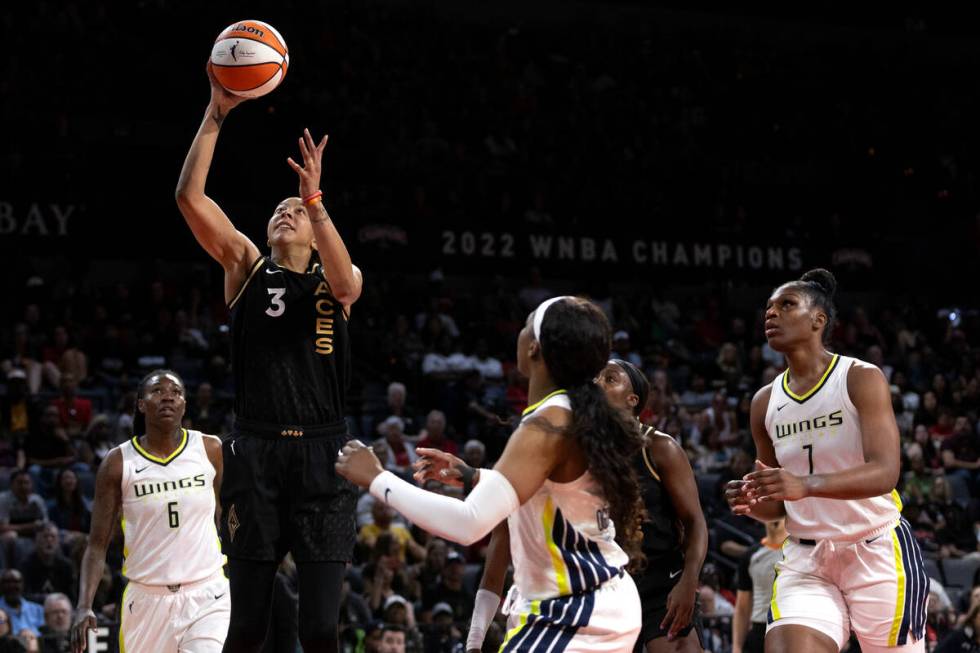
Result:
{"points": [[756, 573]]}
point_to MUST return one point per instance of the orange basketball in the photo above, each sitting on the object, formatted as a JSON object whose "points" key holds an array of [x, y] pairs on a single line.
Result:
{"points": [[249, 58]]}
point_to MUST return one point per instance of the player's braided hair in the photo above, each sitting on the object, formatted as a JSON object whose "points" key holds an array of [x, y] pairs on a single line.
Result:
{"points": [[820, 286], [139, 419], [575, 342]]}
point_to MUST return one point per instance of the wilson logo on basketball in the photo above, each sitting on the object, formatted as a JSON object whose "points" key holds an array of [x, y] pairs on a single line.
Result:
{"points": [[248, 29]]}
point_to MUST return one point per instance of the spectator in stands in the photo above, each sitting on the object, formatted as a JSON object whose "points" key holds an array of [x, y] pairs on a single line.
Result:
{"points": [[965, 639], [47, 570], [392, 639], [442, 636], [954, 529], [23, 614], [204, 413], [69, 510], [434, 434], [475, 454], [534, 292], [450, 589], [17, 411], [99, 439], [21, 511], [917, 481], [57, 624], [22, 358], [64, 356], [426, 573], [74, 412], [713, 604], [8, 642], [489, 367], [929, 448], [400, 452], [384, 576], [397, 406], [124, 422], [623, 349], [354, 610], [382, 517], [961, 454], [399, 612], [49, 448]]}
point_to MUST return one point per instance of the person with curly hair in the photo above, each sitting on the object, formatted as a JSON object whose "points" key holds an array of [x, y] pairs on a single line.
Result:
{"points": [[565, 484]]}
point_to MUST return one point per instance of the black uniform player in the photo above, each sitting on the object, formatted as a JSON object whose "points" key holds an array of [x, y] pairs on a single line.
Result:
{"points": [[668, 583], [291, 363]]}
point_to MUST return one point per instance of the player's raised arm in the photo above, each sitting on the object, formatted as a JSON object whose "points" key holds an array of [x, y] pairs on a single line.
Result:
{"points": [[211, 227], [343, 276]]}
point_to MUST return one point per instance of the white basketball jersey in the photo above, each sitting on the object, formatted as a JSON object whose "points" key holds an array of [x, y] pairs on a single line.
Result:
{"points": [[562, 540], [168, 514], [819, 432]]}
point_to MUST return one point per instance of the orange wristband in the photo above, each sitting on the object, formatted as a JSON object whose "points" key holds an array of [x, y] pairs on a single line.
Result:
{"points": [[315, 197]]}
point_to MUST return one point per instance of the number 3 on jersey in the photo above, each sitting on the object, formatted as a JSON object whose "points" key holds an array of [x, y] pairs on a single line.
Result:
{"points": [[277, 307]]}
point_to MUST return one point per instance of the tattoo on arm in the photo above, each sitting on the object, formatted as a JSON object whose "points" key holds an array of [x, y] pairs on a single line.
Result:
{"points": [[320, 213]]}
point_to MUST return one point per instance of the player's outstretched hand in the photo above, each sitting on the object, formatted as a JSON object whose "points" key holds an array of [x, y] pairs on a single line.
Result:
{"points": [[358, 464], [309, 172], [736, 497], [773, 484], [220, 98], [84, 621], [437, 465]]}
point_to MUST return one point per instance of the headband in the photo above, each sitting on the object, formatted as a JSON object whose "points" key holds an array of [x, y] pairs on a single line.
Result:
{"points": [[638, 382], [539, 314]]}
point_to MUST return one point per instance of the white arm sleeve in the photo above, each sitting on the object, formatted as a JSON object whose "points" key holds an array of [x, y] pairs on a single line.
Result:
{"points": [[464, 522], [484, 609]]}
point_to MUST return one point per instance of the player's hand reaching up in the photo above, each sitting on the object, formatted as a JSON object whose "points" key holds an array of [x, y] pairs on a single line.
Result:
{"points": [[221, 99], [309, 172], [358, 464], [773, 484]]}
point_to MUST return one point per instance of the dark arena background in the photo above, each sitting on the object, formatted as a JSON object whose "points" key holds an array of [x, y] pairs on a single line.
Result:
{"points": [[672, 161]]}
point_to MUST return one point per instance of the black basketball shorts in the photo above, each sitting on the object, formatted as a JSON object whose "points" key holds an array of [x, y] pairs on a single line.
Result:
{"points": [[280, 494]]}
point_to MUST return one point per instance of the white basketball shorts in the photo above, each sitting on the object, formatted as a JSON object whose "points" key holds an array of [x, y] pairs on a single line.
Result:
{"points": [[876, 587], [192, 619]]}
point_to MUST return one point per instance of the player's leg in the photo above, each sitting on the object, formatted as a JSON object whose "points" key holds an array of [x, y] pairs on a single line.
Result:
{"points": [[250, 583], [322, 533], [886, 591], [320, 586], [250, 534], [791, 638], [807, 612], [689, 643]]}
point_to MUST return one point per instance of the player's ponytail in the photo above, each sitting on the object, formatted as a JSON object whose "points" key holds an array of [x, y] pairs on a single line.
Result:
{"points": [[575, 342]]}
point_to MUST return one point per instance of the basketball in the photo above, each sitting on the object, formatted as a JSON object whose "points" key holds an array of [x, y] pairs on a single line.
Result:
{"points": [[250, 58]]}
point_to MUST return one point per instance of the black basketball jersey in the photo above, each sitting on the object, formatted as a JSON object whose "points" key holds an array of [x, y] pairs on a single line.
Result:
{"points": [[290, 348], [660, 533]]}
